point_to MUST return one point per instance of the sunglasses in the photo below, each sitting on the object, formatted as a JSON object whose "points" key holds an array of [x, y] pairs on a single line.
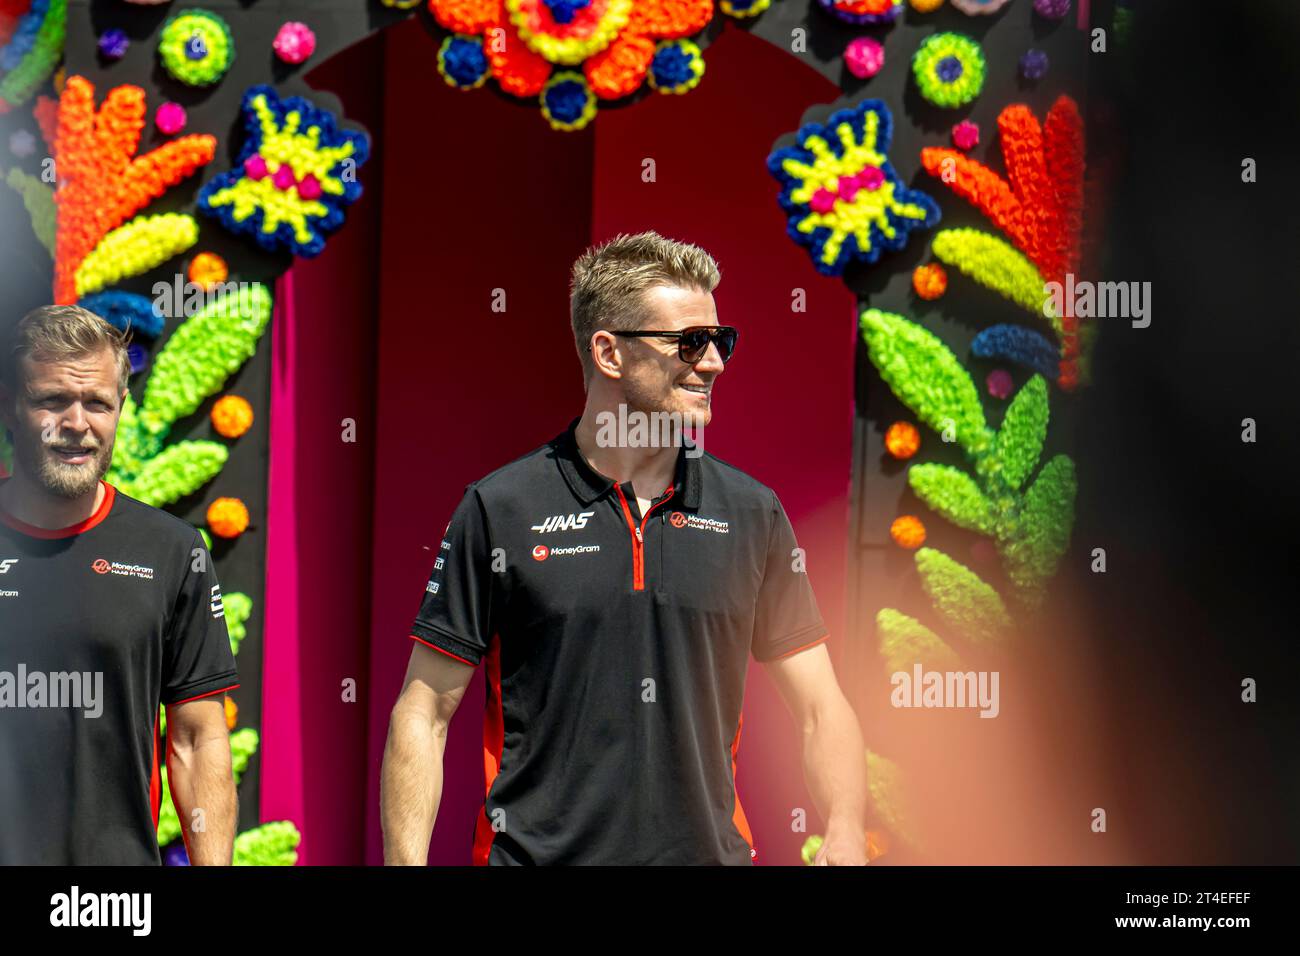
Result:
{"points": [[694, 341]]}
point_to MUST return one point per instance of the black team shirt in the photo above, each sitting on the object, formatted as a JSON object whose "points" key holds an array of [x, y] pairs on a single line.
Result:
{"points": [[616, 646], [99, 623]]}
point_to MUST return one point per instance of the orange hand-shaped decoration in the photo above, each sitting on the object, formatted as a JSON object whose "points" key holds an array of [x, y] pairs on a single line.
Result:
{"points": [[1041, 209], [102, 182]]}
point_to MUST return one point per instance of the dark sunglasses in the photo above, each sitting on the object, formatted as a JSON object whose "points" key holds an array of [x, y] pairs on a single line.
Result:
{"points": [[694, 341]]}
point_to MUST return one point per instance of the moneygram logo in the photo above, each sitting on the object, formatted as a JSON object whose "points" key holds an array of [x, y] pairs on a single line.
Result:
{"points": [[542, 552], [679, 520], [101, 566]]}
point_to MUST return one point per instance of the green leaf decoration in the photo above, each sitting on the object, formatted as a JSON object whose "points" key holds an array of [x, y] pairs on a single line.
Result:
{"points": [[271, 844], [886, 786], [38, 200], [995, 264], [1042, 531], [927, 378], [963, 599], [202, 353], [176, 471], [243, 744], [239, 607], [954, 495], [1024, 428], [905, 641]]}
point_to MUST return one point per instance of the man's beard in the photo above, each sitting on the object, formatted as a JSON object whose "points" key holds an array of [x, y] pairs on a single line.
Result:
{"points": [[65, 480]]}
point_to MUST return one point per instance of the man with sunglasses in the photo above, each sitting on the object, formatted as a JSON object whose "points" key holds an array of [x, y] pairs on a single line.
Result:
{"points": [[615, 591]]}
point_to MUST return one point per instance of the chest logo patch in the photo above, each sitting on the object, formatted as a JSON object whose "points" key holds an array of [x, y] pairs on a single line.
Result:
{"points": [[6, 564], [541, 552], [679, 520], [563, 523], [102, 566]]}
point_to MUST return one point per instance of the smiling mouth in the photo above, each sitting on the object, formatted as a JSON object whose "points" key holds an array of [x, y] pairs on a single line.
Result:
{"points": [[698, 389], [73, 455]]}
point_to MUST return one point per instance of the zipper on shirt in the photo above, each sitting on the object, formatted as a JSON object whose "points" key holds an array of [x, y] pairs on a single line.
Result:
{"points": [[638, 535]]}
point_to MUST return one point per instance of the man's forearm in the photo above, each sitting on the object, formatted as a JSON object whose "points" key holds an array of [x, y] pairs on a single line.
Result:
{"points": [[410, 788], [200, 779], [835, 767]]}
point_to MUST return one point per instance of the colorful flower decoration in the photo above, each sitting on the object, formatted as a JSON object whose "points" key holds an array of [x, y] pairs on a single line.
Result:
{"points": [[1052, 9], [294, 42], [228, 517], [979, 6], [565, 32], [232, 416], [930, 281], [843, 198], [864, 57], [104, 183], [744, 9], [902, 440], [567, 103], [295, 175], [677, 67], [615, 43], [208, 270], [966, 135], [908, 531], [31, 44], [863, 11], [1039, 208], [999, 383], [170, 118], [1034, 64], [462, 62], [949, 69], [926, 6], [113, 44], [196, 47]]}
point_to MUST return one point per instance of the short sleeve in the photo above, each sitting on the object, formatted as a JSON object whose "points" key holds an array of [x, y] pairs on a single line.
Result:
{"points": [[197, 660], [455, 611], [787, 618]]}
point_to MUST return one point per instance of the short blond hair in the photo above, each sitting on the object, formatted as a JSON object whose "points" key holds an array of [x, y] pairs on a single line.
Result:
{"points": [[54, 332], [609, 280]]}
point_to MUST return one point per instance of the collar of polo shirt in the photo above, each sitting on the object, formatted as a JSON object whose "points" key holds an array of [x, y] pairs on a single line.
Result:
{"points": [[588, 484]]}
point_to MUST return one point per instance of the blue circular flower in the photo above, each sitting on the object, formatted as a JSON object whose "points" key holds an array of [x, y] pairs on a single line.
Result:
{"points": [[677, 66], [462, 62], [567, 101]]}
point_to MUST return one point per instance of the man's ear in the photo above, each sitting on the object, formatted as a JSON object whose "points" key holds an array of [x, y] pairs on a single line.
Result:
{"points": [[603, 348]]}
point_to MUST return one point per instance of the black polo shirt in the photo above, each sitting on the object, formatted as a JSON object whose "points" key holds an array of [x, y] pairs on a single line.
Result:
{"points": [[616, 647], [99, 623]]}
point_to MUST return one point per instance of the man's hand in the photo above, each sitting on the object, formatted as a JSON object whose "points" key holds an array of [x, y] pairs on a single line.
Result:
{"points": [[833, 750], [843, 846]]}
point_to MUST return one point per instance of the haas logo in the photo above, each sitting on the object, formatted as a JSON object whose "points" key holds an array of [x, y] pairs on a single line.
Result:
{"points": [[541, 552], [6, 564], [677, 519], [100, 566], [563, 523]]}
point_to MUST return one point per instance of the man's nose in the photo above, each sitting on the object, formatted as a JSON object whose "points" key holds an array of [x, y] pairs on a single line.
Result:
{"points": [[74, 419], [711, 361]]}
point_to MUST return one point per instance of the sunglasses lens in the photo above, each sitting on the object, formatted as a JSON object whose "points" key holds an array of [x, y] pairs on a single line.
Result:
{"points": [[696, 342], [726, 340]]}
